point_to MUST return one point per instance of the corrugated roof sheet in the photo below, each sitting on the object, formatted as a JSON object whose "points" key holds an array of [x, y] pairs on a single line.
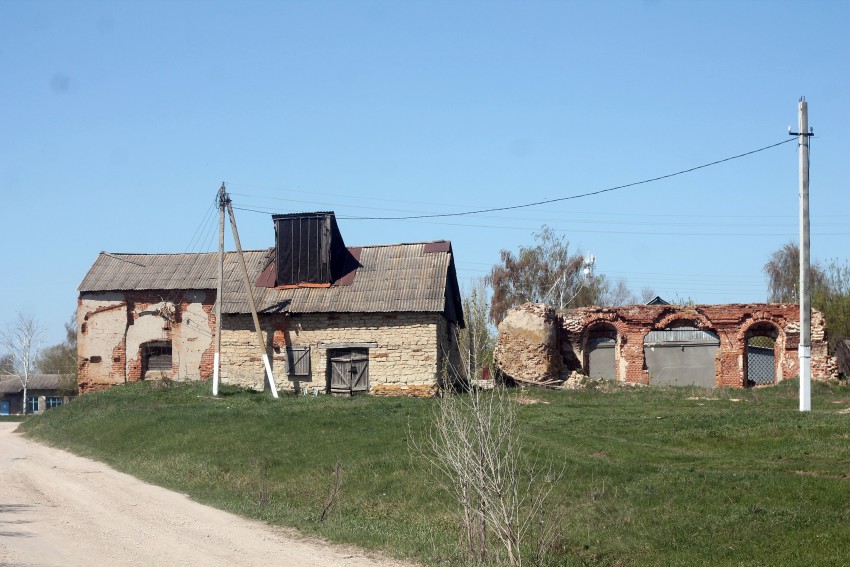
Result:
{"points": [[393, 278], [11, 384]]}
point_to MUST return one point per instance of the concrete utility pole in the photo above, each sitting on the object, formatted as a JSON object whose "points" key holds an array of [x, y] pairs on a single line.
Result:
{"points": [[248, 286], [223, 199], [804, 350]]}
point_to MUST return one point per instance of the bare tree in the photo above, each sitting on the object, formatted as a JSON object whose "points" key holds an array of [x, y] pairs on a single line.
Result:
{"points": [[617, 294], [475, 341], [647, 294], [21, 342], [503, 494], [783, 275], [545, 272]]}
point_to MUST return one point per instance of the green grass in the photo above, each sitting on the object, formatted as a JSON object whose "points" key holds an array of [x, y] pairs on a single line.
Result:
{"points": [[11, 418], [654, 476]]}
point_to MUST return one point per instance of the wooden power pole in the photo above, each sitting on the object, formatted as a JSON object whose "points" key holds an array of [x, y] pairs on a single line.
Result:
{"points": [[260, 340], [804, 350]]}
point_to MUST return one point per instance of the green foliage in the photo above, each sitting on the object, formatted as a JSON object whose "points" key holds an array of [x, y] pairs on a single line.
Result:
{"points": [[60, 358], [654, 476], [833, 300], [830, 288]]}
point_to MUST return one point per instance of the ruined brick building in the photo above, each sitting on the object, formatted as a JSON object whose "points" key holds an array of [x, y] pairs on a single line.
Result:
{"points": [[371, 318], [704, 345]]}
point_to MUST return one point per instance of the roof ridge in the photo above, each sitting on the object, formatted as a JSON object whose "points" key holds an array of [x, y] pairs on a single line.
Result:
{"points": [[107, 253], [399, 244]]}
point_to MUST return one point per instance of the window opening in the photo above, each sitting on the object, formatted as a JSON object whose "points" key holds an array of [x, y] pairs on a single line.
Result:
{"points": [[156, 357]]}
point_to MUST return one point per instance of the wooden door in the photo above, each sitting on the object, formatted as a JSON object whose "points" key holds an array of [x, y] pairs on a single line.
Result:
{"points": [[349, 371]]}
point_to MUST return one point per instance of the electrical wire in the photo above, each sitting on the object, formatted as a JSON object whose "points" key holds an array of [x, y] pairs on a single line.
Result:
{"points": [[203, 222], [579, 196], [266, 210]]}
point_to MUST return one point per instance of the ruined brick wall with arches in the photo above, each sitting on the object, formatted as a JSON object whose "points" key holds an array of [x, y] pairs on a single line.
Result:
{"points": [[735, 345]]}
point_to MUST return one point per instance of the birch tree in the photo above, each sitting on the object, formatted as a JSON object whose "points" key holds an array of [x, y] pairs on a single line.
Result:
{"points": [[22, 341]]}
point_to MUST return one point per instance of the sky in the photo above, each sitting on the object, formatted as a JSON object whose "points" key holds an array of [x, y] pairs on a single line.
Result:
{"points": [[120, 121]]}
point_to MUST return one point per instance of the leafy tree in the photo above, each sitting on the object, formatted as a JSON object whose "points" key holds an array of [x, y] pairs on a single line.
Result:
{"points": [[545, 272], [61, 358]]}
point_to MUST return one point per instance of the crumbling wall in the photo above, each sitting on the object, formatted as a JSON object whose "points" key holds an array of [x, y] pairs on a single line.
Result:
{"points": [[528, 348], [536, 343], [113, 327]]}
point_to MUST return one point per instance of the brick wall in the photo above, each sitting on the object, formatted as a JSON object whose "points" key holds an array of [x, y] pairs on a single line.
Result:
{"points": [[113, 327], [537, 343]]}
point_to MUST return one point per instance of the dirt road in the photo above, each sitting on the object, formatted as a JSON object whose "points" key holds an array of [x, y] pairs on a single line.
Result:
{"points": [[57, 509]]}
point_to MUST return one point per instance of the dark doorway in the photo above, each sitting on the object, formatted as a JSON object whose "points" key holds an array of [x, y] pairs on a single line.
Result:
{"points": [[348, 371]]}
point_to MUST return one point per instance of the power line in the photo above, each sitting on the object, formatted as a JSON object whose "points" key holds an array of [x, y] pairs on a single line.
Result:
{"points": [[536, 203], [581, 195]]}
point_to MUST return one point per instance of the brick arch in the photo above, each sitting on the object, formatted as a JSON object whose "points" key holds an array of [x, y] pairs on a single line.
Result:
{"points": [[665, 319], [612, 323], [616, 323], [758, 319]]}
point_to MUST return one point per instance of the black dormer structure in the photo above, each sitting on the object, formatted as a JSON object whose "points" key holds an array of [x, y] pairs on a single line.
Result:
{"points": [[310, 249]]}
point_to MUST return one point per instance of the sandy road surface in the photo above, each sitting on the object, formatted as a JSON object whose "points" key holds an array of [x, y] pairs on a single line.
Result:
{"points": [[57, 509]]}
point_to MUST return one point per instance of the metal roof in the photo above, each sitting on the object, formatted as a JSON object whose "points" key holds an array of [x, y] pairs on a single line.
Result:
{"points": [[11, 384], [391, 278]]}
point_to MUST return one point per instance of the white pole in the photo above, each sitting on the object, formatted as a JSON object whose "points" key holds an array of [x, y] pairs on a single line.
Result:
{"points": [[804, 351], [222, 199]]}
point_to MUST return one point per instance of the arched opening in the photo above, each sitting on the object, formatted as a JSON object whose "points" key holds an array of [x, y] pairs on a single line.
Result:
{"points": [[600, 360], [760, 359], [681, 354]]}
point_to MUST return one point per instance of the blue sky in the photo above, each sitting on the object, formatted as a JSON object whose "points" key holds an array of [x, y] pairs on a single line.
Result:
{"points": [[121, 119]]}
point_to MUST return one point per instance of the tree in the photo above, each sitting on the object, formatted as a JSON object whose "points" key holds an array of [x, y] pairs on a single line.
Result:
{"points": [[475, 341], [545, 272], [7, 365], [61, 358], [21, 342], [617, 294], [783, 275], [832, 298], [830, 287], [503, 488]]}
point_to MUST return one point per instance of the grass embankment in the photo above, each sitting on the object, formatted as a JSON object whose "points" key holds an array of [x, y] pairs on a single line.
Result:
{"points": [[653, 476]]}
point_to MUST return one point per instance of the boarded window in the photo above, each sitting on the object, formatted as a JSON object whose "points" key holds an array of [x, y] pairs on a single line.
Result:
{"points": [[156, 357], [298, 361]]}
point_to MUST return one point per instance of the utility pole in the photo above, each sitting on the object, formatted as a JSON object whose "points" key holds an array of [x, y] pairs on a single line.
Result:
{"points": [[223, 199], [804, 350], [248, 286]]}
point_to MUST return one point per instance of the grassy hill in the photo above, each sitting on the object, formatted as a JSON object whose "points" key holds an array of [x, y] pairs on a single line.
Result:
{"points": [[654, 476]]}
